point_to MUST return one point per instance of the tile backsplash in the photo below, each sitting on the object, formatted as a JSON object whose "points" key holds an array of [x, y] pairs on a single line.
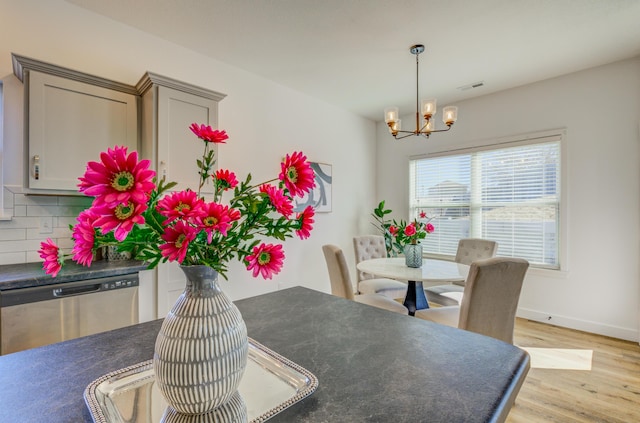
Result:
{"points": [[30, 219]]}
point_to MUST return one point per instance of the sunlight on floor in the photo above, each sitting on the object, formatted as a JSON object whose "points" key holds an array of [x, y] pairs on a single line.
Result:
{"points": [[558, 358]]}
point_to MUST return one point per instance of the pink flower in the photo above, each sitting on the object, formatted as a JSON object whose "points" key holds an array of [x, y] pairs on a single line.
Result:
{"points": [[281, 202], [118, 178], [429, 227], [423, 215], [49, 252], [178, 238], [410, 230], [120, 218], [225, 180], [84, 235], [297, 175], [393, 230], [267, 260], [306, 221], [206, 133], [180, 205], [216, 218]]}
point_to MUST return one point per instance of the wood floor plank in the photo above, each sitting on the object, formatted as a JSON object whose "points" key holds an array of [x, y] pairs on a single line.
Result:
{"points": [[608, 393]]}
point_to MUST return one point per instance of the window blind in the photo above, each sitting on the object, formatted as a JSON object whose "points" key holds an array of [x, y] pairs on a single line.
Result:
{"points": [[509, 194]]}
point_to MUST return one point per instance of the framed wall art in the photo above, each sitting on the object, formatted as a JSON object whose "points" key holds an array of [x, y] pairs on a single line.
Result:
{"points": [[320, 197]]}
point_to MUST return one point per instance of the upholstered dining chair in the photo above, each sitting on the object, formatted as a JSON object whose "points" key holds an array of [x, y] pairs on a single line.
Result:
{"points": [[490, 299], [341, 282], [469, 250], [370, 247]]}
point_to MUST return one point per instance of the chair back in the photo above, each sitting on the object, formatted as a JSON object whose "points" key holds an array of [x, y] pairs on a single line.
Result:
{"points": [[472, 249], [491, 295], [368, 247], [338, 272]]}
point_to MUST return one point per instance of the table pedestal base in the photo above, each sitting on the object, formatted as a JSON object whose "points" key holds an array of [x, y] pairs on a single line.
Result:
{"points": [[415, 298]]}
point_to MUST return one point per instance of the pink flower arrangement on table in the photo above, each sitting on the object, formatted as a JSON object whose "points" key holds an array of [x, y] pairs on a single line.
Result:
{"points": [[411, 232], [139, 214], [397, 234]]}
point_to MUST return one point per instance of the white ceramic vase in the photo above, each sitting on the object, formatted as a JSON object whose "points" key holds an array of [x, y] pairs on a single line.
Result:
{"points": [[202, 348]]}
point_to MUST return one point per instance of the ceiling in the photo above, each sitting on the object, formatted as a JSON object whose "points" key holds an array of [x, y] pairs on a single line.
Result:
{"points": [[355, 53]]}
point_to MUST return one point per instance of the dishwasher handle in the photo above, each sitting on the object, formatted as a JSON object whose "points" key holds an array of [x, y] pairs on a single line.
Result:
{"points": [[76, 290], [19, 296]]}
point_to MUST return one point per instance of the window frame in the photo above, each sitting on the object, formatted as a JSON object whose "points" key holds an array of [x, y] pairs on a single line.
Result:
{"points": [[539, 137]]}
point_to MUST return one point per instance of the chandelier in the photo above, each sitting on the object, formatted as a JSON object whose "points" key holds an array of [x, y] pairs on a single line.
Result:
{"points": [[427, 109]]}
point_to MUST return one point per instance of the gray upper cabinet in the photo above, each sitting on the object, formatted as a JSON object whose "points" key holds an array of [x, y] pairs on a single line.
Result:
{"points": [[169, 107], [70, 118]]}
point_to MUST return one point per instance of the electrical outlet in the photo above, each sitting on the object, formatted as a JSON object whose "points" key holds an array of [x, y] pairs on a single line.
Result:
{"points": [[46, 224]]}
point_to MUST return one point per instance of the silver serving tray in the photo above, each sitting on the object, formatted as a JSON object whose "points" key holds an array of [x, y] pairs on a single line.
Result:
{"points": [[271, 383]]}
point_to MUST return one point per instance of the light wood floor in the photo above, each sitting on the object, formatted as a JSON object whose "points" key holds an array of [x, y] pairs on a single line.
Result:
{"points": [[609, 392]]}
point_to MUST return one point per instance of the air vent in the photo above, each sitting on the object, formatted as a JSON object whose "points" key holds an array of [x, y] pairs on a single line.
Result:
{"points": [[470, 86]]}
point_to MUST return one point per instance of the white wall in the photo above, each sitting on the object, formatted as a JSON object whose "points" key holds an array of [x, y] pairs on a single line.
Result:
{"points": [[600, 109], [265, 121]]}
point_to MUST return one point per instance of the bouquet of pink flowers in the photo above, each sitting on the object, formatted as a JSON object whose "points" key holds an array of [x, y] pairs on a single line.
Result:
{"points": [[141, 215], [397, 234]]}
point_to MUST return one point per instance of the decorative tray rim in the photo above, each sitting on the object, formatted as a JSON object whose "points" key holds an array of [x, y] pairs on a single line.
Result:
{"points": [[98, 415]]}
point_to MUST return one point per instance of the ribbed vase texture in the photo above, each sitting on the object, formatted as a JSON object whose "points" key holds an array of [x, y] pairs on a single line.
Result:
{"points": [[202, 348], [413, 255]]}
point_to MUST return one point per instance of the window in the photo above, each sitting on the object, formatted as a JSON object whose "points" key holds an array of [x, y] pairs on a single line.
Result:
{"points": [[509, 193]]}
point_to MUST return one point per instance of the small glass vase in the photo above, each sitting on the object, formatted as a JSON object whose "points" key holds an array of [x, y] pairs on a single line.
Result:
{"points": [[201, 350], [413, 255]]}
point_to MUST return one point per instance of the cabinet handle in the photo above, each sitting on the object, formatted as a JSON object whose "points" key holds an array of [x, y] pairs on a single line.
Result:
{"points": [[36, 167]]}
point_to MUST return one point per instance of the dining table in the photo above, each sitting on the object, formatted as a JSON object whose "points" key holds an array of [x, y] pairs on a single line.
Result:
{"points": [[371, 365], [432, 272]]}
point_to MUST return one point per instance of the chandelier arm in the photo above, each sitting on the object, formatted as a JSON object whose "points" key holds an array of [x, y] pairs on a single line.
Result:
{"points": [[404, 136]]}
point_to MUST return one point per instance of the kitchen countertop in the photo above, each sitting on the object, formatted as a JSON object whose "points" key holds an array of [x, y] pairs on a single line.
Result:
{"points": [[372, 365], [26, 275]]}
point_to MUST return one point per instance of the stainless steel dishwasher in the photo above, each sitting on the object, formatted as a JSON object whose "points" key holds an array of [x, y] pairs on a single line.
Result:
{"points": [[42, 315]]}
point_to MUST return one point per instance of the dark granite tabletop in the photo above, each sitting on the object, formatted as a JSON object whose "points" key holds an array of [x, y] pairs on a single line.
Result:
{"points": [[26, 275], [372, 365]]}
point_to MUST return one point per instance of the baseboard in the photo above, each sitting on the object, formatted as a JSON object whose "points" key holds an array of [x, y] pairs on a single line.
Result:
{"points": [[582, 325]]}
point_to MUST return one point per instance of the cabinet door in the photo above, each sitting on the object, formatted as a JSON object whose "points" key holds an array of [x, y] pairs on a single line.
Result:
{"points": [[71, 123], [178, 147]]}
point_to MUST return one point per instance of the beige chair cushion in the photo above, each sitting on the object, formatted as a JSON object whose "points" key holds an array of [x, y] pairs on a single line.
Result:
{"points": [[439, 294], [444, 315], [368, 247], [387, 287], [381, 301]]}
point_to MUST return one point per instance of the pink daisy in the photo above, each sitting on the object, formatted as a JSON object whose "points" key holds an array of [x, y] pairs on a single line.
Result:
{"points": [[178, 238], [281, 202], [49, 252], [225, 180], [118, 178], [84, 235], [180, 205], [297, 175], [206, 133], [216, 219], [267, 260], [120, 218], [306, 221], [423, 215]]}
